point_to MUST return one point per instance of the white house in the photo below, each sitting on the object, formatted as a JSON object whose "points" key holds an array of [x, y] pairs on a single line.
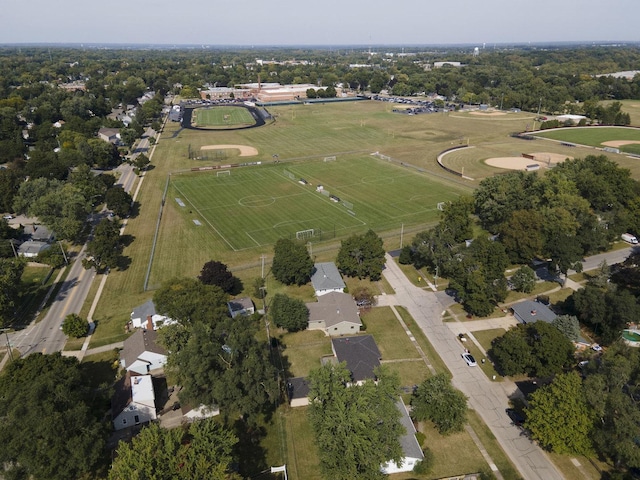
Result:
{"points": [[326, 278], [141, 354], [134, 401], [411, 450], [335, 314], [32, 248]]}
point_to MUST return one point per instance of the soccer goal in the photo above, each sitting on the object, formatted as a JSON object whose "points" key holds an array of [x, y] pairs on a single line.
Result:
{"points": [[441, 205], [330, 159], [223, 173], [305, 234], [348, 205], [289, 174]]}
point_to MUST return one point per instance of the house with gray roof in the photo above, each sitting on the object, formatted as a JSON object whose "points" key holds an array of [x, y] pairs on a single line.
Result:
{"points": [[326, 278], [298, 391], [529, 311], [335, 314], [241, 306], [411, 450], [361, 355], [145, 316], [38, 233], [141, 353], [32, 248]]}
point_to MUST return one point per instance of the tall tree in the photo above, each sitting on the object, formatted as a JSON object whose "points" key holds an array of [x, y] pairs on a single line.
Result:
{"points": [[356, 427], [291, 262], [204, 449], [43, 397], [362, 256], [559, 418], [118, 201], [289, 313], [217, 273], [10, 273], [105, 248], [436, 400]]}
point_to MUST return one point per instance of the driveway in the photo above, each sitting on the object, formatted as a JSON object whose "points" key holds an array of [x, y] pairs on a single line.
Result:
{"points": [[487, 398]]}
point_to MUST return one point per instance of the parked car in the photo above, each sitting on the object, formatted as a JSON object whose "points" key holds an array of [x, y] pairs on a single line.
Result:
{"points": [[516, 417], [596, 348], [469, 359]]}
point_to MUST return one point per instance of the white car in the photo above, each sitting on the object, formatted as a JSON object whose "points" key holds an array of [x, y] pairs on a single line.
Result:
{"points": [[596, 348], [469, 359]]}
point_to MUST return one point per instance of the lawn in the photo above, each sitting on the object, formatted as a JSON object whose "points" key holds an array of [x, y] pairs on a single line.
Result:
{"points": [[255, 206], [592, 136], [222, 117], [35, 281], [301, 351], [302, 457]]}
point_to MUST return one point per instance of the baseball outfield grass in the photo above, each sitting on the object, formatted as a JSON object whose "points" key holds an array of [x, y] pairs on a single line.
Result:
{"points": [[222, 117]]}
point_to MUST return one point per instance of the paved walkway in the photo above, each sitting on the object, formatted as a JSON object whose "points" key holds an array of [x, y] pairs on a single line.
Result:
{"points": [[489, 399]]}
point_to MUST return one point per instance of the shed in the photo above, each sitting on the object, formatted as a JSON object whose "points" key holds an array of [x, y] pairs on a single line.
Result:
{"points": [[241, 306], [298, 391]]}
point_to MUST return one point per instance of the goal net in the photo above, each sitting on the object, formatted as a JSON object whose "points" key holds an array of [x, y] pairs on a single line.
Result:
{"points": [[223, 173], [330, 159], [348, 205], [305, 234], [440, 205], [289, 174]]}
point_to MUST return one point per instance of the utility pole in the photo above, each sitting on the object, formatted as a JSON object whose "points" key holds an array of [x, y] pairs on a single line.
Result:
{"points": [[66, 260], [262, 257], [5, 330], [401, 234]]}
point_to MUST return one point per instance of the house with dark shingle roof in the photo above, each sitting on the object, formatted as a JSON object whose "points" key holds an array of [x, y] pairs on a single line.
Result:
{"points": [[141, 353], [335, 314], [298, 391], [241, 306], [361, 355], [326, 278]]}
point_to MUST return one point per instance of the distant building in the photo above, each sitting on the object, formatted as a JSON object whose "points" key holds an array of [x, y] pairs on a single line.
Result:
{"points": [[111, 135]]}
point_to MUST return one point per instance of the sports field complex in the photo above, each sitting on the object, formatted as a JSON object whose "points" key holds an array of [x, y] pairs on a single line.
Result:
{"points": [[245, 188]]}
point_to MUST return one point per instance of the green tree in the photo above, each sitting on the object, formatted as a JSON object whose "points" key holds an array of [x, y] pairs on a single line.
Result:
{"points": [[524, 279], [456, 218], [49, 428], [75, 326], [436, 400], [356, 427], [217, 273], [104, 250], [118, 201], [204, 449], [141, 162], [289, 313], [10, 273], [291, 262], [362, 256], [559, 418], [568, 326]]}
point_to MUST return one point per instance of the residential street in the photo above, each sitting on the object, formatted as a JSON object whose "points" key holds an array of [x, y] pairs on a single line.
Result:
{"points": [[489, 399]]}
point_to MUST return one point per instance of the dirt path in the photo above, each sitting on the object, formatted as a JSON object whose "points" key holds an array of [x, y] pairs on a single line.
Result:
{"points": [[245, 151]]}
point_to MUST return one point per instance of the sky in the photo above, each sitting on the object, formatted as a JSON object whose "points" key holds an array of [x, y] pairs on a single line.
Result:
{"points": [[327, 22]]}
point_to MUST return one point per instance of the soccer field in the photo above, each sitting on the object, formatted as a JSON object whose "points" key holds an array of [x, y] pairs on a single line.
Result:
{"points": [[255, 206]]}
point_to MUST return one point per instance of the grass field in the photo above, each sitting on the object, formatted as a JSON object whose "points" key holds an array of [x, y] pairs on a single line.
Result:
{"points": [[255, 206], [222, 117], [592, 136]]}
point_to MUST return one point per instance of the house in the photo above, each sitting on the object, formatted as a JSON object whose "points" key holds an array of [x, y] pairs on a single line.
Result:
{"points": [[145, 316], [141, 354], [411, 450], [334, 313], [32, 248], [111, 135], [530, 311], [361, 355], [298, 391], [134, 401], [326, 278], [241, 306], [38, 233]]}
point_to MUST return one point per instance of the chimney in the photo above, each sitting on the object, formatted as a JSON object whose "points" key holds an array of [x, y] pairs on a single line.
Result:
{"points": [[149, 322]]}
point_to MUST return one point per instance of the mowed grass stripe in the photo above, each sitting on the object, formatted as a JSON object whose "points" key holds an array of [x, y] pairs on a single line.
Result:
{"points": [[255, 206]]}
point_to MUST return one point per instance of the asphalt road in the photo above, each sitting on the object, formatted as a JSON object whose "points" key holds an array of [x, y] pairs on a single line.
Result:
{"points": [[487, 398]]}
